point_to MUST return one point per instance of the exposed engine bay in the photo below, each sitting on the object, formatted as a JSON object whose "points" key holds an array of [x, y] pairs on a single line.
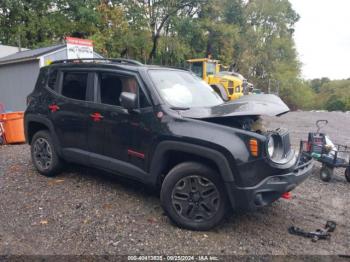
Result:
{"points": [[246, 114], [278, 140], [248, 123]]}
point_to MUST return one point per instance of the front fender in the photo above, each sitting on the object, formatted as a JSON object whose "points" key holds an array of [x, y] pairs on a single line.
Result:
{"points": [[212, 154]]}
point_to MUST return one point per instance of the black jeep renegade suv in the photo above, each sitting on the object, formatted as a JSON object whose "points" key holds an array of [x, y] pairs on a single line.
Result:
{"points": [[166, 128]]}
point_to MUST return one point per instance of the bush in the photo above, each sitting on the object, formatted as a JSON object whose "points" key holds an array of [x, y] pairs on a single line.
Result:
{"points": [[334, 103], [301, 96]]}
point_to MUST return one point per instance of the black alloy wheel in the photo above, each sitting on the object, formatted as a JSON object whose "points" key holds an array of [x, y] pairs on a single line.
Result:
{"points": [[42, 153], [193, 195], [195, 198]]}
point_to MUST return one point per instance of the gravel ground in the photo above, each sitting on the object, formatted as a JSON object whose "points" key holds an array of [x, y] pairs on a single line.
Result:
{"points": [[84, 211]]}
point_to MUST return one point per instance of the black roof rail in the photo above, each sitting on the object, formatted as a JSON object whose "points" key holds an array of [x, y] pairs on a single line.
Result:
{"points": [[111, 60], [179, 68]]}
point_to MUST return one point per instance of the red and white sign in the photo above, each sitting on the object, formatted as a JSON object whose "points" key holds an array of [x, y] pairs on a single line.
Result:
{"points": [[79, 48]]}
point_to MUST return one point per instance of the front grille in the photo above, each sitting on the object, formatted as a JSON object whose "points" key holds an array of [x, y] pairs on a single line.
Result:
{"points": [[230, 84], [230, 91]]}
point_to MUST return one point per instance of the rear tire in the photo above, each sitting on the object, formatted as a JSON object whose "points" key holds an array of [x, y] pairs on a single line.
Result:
{"points": [[194, 197], [44, 154], [347, 174], [326, 173]]}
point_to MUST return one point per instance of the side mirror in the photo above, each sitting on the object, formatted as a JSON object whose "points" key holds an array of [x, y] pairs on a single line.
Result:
{"points": [[128, 100]]}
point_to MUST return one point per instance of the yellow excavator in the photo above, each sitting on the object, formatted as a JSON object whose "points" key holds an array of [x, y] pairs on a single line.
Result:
{"points": [[229, 85]]}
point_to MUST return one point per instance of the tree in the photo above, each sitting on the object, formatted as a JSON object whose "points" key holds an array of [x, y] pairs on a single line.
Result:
{"points": [[316, 84], [112, 28], [267, 44], [24, 23], [218, 23], [254, 35], [35, 23], [335, 95], [335, 103], [156, 14]]}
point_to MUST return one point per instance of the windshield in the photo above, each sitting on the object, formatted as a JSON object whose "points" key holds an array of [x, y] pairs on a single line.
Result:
{"points": [[182, 89], [197, 69], [211, 68]]}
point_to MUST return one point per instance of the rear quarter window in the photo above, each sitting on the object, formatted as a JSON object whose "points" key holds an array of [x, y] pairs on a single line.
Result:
{"points": [[52, 78], [42, 78]]}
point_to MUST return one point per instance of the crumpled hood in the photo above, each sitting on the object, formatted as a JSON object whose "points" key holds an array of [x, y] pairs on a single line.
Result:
{"points": [[250, 105]]}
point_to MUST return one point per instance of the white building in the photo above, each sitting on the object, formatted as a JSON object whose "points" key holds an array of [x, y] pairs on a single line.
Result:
{"points": [[19, 71], [6, 50]]}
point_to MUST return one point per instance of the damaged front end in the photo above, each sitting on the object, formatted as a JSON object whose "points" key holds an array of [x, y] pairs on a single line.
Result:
{"points": [[246, 114], [277, 169]]}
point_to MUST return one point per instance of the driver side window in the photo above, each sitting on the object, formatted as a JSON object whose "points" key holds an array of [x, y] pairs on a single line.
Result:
{"points": [[112, 85], [110, 89]]}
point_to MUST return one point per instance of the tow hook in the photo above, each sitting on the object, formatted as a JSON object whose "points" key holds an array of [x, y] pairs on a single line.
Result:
{"points": [[287, 195], [316, 235]]}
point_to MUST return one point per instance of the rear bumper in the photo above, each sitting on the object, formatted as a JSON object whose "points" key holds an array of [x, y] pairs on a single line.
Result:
{"points": [[270, 189]]}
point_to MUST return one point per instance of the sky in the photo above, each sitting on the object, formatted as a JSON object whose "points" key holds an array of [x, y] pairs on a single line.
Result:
{"points": [[322, 37]]}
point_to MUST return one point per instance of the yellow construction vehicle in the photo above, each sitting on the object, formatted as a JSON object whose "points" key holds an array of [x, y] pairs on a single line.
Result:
{"points": [[228, 85]]}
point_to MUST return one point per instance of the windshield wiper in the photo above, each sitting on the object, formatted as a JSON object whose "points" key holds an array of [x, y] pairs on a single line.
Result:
{"points": [[179, 108]]}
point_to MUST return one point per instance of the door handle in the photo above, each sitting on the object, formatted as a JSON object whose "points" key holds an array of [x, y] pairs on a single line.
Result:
{"points": [[96, 117], [54, 108]]}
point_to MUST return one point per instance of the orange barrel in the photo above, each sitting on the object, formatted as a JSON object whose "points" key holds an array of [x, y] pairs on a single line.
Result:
{"points": [[13, 126]]}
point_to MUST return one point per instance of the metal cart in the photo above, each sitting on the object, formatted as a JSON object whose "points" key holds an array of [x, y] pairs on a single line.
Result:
{"points": [[331, 155]]}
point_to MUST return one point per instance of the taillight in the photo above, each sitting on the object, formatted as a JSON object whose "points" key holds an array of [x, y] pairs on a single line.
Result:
{"points": [[254, 147]]}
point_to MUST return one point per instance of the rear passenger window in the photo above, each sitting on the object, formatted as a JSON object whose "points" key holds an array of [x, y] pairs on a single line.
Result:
{"points": [[51, 83], [75, 85]]}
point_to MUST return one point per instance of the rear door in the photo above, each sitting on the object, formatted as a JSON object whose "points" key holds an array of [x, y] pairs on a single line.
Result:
{"points": [[70, 113]]}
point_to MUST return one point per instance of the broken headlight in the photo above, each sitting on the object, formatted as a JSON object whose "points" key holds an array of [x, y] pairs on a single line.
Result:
{"points": [[278, 147], [271, 146]]}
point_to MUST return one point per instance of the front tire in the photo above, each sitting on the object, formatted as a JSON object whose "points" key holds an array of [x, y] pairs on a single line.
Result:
{"points": [[193, 196], [44, 155]]}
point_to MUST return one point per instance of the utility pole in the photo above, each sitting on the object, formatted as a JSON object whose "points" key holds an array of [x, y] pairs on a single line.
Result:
{"points": [[19, 42]]}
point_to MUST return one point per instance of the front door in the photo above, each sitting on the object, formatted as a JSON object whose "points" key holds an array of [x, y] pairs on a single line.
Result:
{"points": [[126, 135]]}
